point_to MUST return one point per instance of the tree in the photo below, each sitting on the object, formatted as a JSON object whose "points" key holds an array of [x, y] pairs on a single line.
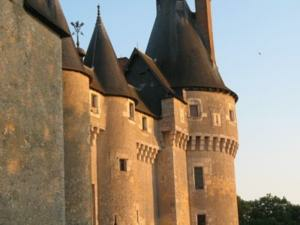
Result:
{"points": [[268, 210]]}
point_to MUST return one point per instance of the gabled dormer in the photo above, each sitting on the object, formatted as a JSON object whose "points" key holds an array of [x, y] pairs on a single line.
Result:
{"points": [[148, 80]]}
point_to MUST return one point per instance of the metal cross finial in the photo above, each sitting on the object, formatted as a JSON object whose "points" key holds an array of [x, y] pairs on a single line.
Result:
{"points": [[77, 27]]}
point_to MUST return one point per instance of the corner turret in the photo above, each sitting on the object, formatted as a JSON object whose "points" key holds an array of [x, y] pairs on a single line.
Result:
{"points": [[101, 56]]}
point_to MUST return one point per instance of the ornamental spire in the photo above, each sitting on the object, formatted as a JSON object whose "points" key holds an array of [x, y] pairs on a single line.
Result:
{"points": [[98, 14]]}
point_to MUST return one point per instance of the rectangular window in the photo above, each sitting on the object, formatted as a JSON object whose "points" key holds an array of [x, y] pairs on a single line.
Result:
{"points": [[201, 219], [144, 123], [123, 165], [94, 103], [131, 111], [199, 180], [194, 111], [232, 115]]}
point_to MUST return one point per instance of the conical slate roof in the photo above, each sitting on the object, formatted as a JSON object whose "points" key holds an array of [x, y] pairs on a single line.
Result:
{"points": [[50, 13], [70, 57], [179, 51], [101, 56]]}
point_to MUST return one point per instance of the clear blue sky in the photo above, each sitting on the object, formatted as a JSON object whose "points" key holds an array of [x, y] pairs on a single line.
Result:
{"points": [[268, 84]]}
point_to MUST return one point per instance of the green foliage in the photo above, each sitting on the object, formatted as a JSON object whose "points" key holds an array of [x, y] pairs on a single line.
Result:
{"points": [[268, 210]]}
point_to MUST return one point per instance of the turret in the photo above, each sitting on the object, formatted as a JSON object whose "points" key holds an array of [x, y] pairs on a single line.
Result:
{"points": [[76, 80], [182, 44], [115, 145]]}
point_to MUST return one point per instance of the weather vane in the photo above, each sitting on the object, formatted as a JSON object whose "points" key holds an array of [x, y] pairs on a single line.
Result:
{"points": [[77, 27]]}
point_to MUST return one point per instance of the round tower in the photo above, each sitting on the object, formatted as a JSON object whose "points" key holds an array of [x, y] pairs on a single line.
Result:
{"points": [[183, 48], [76, 137], [210, 158], [117, 162], [116, 148]]}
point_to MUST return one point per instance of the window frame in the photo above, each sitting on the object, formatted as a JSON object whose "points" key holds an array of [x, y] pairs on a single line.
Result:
{"points": [[198, 104], [144, 123], [199, 217], [131, 110], [195, 110], [94, 98], [123, 165], [232, 116], [199, 185]]}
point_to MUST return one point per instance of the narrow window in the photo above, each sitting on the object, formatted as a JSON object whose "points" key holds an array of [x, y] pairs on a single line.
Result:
{"points": [[144, 123], [232, 115], [131, 111], [123, 165], [199, 181], [116, 221], [94, 103], [201, 219], [137, 216], [206, 143], [194, 110]]}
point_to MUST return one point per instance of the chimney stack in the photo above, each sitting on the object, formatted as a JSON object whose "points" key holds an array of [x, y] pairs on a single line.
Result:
{"points": [[204, 24]]}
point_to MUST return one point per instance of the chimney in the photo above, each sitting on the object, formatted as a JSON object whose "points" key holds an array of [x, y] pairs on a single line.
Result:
{"points": [[204, 24]]}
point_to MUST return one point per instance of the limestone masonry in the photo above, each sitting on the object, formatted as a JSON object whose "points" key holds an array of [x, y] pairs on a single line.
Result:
{"points": [[92, 139]]}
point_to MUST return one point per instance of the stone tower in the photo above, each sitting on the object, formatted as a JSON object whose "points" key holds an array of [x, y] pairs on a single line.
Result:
{"points": [[77, 155], [31, 112], [182, 45], [115, 143]]}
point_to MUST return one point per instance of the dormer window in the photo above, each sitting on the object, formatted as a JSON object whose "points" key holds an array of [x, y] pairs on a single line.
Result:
{"points": [[131, 110], [144, 123], [94, 99]]}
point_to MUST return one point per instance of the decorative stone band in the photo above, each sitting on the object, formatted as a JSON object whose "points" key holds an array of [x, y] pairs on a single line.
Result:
{"points": [[223, 144], [146, 153]]}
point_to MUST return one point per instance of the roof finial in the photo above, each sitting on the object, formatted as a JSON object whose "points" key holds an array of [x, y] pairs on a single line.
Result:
{"points": [[98, 7], [77, 27], [98, 14]]}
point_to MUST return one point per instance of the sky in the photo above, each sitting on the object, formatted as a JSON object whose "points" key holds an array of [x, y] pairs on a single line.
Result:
{"points": [[258, 54]]}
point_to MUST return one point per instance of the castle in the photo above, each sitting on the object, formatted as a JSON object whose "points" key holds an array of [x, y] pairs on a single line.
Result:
{"points": [[90, 139]]}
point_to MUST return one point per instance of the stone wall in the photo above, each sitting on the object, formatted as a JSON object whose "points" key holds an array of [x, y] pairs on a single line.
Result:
{"points": [[31, 120]]}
